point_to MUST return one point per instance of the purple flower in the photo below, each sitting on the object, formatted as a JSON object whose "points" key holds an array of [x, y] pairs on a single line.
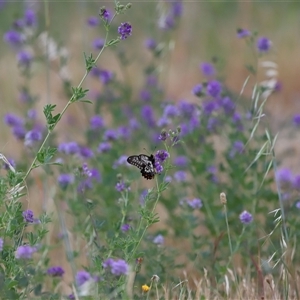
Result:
{"points": [[32, 136], [125, 30], [171, 111], [69, 148], [56, 271], [180, 176], [104, 14], [181, 161], [150, 44], [159, 240], [209, 106], [158, 167], [19, 132], [104, 147], [1, 244], [197, 90], [65, 179], [71, 297], [85, 152], [106, 76], [96, 122], [117, 267], [110, 135], [228, 105], [296, 120], [163, 135], [207, 69], [241, 33], [246, 217], [125, 227], [85, 170], [28, 216], [214, 88], [107, 263], [161, 155], [120, 186], [24, 58], [296, 182], [98, 44], [29, 17], [195, 203], [13, 120], [297, 204], [95, 174], [14, 38], [186, 108], [25, 252], [82, 277], [148, 115], [284, 176], [93, 21], [176, 8], [263, 44]]}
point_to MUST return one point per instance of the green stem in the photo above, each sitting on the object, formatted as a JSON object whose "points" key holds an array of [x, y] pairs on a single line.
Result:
{"points": [[32, 166]]}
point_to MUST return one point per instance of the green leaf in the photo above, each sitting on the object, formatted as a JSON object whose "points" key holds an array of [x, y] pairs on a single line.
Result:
{"points": [[45, 155], [89, 62], [78, 93]]}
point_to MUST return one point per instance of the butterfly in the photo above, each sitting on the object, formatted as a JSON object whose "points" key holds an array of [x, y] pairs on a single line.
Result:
{"points": [[145, 163]]}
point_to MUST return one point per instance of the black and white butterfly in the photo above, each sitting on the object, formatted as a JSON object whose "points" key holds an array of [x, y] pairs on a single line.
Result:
{"points": [[145, 163]]}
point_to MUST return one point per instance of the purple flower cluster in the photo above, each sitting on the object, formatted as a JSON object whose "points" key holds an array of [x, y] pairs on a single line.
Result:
{"points": [[29, 217], [25, 252], [242, 33], [125, 227], [65, 179], [56, 271], [161, 155], [117, 267], [246, 217], [263, 44], [120, 186], [208, 70], [195, 203], [82, 277], [125, 30], [69, 148], [93, 21], [159, 240], [17, 125]]}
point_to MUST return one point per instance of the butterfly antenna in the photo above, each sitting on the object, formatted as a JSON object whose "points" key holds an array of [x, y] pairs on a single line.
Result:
{"points": [[146, 150]]}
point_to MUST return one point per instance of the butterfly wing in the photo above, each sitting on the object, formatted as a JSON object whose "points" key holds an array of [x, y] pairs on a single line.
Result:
{"points": [[145, 163]]}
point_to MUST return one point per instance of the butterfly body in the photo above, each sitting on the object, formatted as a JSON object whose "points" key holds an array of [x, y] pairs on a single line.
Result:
{"points": [[145, 163]]}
